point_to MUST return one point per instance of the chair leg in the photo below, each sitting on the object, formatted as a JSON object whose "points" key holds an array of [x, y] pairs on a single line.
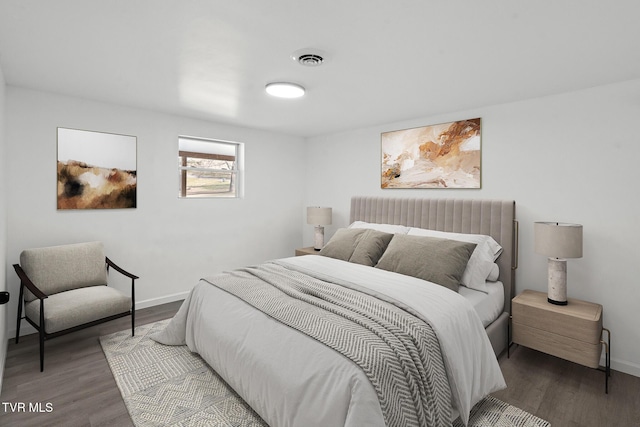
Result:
{"points": [[18, 327], [41, 350], [19, 313], [41, 330], [133, 306]]}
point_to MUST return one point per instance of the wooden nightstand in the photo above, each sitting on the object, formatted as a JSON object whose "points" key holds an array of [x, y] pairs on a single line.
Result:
{"points": [[572, 332], [306, 251]]}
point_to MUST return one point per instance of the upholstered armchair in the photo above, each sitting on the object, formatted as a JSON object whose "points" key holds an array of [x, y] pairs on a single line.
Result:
{"points": [[64, 289]]}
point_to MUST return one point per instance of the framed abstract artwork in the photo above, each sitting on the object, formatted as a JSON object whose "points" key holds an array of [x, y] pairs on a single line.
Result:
{"points": [[96, 170], [446, 155]]}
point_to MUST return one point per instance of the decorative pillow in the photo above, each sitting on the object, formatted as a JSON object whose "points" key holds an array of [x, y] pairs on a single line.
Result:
{"points": [[386, 228], [440, 261], [482, 260], [342, 244], [357, 245]]}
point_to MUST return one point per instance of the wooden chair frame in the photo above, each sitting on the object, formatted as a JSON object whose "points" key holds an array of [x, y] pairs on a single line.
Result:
{"points": [[43, 335]]}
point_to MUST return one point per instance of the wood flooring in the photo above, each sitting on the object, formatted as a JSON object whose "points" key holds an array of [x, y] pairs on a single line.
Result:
{"points": [[567, 394], [76, 382], [78, 389]]}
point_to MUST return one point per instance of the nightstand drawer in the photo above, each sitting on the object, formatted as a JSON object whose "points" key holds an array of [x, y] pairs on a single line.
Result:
{"points": [[584, 353], [579, 320]]}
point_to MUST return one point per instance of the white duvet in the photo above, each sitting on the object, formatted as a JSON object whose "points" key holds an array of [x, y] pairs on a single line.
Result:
{"points": [[290, 379]]}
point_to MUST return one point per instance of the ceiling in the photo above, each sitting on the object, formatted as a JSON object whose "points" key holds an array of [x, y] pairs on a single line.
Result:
{"points": [[386, 60]]}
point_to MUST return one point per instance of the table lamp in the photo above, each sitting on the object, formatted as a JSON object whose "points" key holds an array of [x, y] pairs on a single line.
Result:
{"points": [[319, 217], [558, 241]]}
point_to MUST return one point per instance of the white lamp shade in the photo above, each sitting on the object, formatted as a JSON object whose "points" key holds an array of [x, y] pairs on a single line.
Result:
{"points": [[318, 216], [558, 240]]}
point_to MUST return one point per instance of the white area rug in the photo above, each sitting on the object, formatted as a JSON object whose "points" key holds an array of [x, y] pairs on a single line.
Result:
{"points": [[170, 386]]}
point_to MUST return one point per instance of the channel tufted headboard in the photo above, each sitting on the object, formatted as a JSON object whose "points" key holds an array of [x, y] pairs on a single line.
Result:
{"points": [[495, 218]]}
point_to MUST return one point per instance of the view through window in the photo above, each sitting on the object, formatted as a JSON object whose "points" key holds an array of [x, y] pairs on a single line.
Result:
{"points": [[208, 168]]}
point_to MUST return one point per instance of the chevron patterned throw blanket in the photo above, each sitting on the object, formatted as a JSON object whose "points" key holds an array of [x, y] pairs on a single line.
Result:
{"points": [[398, 352]]}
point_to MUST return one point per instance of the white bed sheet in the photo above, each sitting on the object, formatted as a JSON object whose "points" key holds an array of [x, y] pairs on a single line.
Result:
{"points": [[490, 305]]}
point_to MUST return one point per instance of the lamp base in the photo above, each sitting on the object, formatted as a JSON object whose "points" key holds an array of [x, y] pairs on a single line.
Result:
{"points": [[557, 289], [318, 238]]}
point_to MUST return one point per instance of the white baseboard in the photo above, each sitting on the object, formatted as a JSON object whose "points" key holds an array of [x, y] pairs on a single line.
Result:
{"points": [[27, 329], [624, 366], [161, 300]]}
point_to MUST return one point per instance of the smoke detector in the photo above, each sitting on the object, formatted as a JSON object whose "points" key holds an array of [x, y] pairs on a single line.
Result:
{"points": [[309, 57]]}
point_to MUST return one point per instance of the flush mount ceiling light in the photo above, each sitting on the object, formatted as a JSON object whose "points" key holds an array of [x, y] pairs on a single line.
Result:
{"points": [[284, 90]]}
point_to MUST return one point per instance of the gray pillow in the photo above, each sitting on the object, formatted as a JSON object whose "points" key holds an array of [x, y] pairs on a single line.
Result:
{"points": [[440, 261], [342, 244], [357, 245]]}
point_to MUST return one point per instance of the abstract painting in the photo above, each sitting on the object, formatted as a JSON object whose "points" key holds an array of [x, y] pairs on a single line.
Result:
{"points": [[96, 170], [445, 155]]}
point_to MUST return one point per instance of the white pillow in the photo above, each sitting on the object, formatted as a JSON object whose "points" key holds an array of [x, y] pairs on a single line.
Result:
{"points": [[482, 259], [494, 274], [385, 228]]}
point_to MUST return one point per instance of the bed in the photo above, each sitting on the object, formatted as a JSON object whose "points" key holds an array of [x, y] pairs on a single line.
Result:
{"points": [[356, 345]]}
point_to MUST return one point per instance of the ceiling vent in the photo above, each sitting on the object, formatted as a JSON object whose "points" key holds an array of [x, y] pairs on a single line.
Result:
{"points": [[310, 60], [309, 57]]}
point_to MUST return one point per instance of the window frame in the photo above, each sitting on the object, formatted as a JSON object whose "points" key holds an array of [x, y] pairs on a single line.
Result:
{"points": [[235, 172]]}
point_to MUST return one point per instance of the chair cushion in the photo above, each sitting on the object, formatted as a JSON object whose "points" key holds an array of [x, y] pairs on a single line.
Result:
{"points": [[78, 306], [61, 268]]}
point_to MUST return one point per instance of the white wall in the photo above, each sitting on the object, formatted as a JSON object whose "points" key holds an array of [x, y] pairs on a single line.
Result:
{"points": [[3, 230], [169, 242], [571, 158]]}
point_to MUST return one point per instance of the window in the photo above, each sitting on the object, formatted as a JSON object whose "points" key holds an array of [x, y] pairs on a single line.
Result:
{"points": [[208, 168]]}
